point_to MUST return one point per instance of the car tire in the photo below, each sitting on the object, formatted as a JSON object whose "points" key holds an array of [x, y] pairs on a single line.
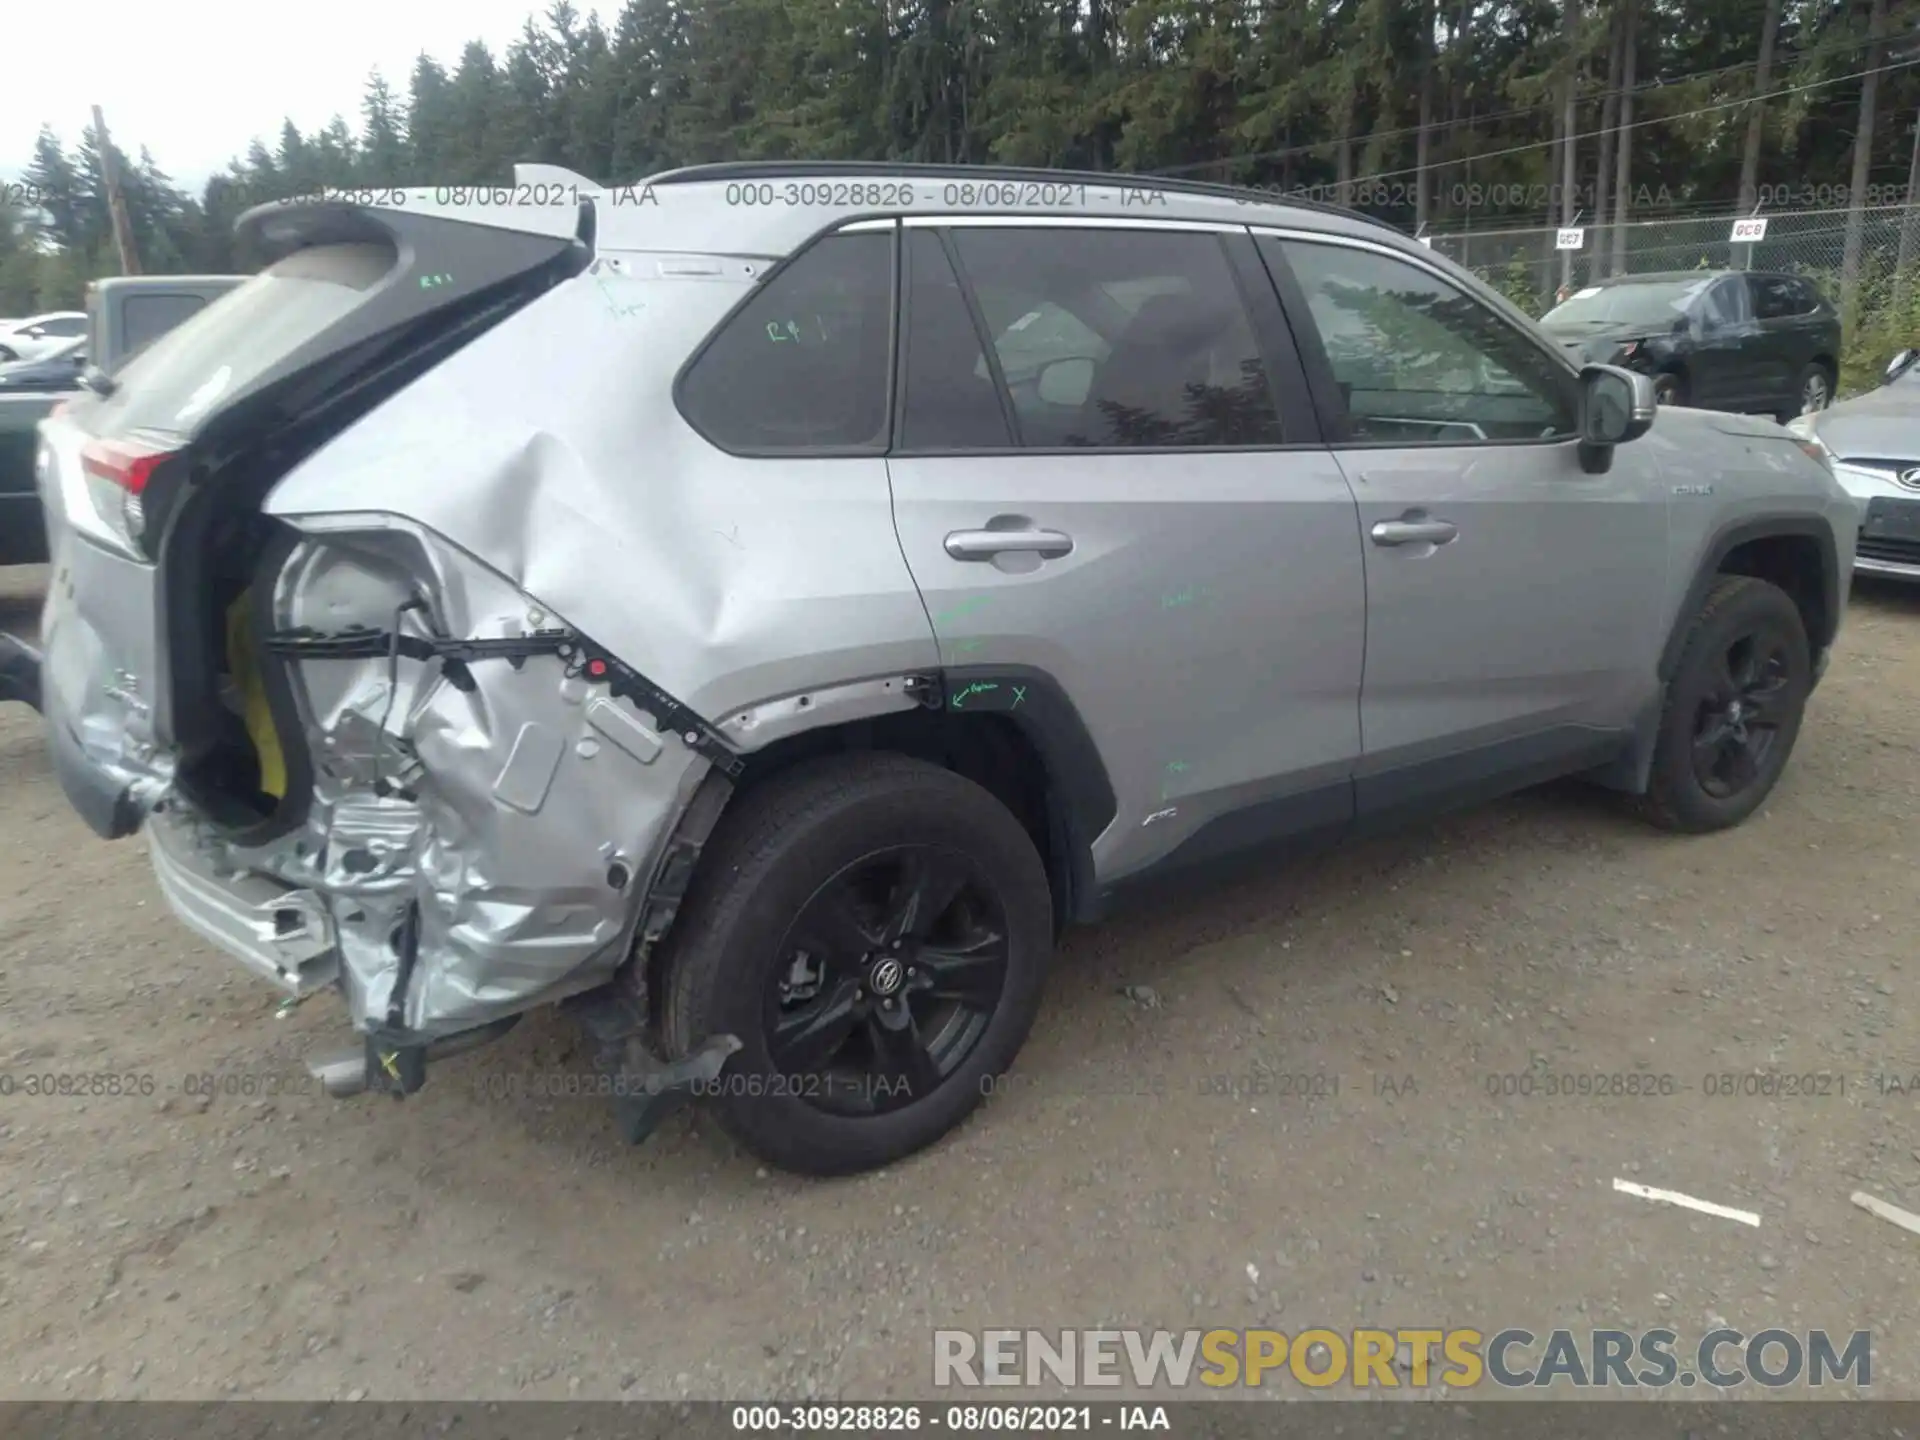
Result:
{"points": [[1670, 388], [1716, 760], [1813, 393], [773, 947]]}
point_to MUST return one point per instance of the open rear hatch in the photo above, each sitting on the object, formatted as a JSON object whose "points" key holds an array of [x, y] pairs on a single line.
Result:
{"points": [[154, 682]]}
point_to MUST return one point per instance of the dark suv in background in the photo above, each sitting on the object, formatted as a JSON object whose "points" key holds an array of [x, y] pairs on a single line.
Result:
{"points": [[1747, 341]]}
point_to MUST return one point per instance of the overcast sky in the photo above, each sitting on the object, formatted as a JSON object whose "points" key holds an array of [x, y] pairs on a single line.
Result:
{"points": [[196, 80]]}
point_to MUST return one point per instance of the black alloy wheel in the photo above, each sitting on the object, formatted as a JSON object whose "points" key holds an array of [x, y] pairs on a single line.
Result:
{"points": [[1733, 708], [887, 979], [1738, 720]]}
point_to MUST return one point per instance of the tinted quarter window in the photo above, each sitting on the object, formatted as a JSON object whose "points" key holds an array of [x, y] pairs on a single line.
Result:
{"points": [[1418, 360], [148, 317], [1806, 298], [1120, 338], [802, 366], [950, 399], [65, 328]]}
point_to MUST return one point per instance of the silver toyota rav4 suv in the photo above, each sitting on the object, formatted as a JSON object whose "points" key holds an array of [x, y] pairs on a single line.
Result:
{"points": [[759, 607]]}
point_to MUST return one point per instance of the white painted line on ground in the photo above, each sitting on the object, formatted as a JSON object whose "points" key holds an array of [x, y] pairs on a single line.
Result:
{"points": [[1905, 1219], [1674, 1197]]}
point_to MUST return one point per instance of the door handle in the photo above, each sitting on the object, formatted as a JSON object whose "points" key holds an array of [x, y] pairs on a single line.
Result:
{"points": [[1414, 532], [985, 544]]}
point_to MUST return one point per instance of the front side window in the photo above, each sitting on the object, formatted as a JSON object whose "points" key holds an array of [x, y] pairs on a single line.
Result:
{"points": [[1417, 360], [65, 328], [1119, 338], [1725, 304], [802, 366]]}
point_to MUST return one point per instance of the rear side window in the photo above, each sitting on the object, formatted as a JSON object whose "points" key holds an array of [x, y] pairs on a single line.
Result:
{"points": [[63, 329], [802, 366], [1775, 297], [1120, 339], [951, 400], [184, 375], [148, 317]]}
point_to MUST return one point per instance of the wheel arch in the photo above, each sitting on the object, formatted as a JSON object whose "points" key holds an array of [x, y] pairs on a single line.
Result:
{"points": [[1796, 553], [1011, 729]]}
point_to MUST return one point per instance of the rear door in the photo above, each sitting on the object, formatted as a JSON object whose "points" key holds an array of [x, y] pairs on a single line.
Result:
{"points": [[1784, 343], [1107, 481], [1727, 365], [1512, 598]]}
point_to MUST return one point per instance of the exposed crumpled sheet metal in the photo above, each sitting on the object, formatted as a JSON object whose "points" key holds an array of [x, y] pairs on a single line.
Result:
{"points": [[522, 836]]}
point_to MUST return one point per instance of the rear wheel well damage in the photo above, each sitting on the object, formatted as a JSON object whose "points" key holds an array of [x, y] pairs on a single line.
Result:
{"points": [[995, 751]]}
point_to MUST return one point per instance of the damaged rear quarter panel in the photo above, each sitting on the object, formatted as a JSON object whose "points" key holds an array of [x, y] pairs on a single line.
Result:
{"points": [[492, 807], [550, 449], [541, 476]]}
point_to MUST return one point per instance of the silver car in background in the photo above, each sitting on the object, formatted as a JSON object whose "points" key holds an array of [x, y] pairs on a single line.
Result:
{"points": [[1873, 442]]}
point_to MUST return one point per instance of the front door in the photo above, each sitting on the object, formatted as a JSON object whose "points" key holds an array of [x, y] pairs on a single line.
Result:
{"points": [[1109, 496], [1512, 598]]}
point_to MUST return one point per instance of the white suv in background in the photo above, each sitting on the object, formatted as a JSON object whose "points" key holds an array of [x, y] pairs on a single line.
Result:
{"points": [[36, 336]]}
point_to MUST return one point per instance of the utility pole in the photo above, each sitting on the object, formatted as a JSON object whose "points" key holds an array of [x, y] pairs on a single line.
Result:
{"points": [[1903, 266], [116, 201], [1623, 144], [1570, 154]]}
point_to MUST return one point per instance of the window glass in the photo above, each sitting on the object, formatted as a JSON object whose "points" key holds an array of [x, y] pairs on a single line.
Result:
{"points": [[951, 402], [66, 327], [148, 317], [1625, 302], [1418, 360], [191, 369], [1120, 338], [803, 364], [1774, 297], [1806, 299], [1725, 302]]}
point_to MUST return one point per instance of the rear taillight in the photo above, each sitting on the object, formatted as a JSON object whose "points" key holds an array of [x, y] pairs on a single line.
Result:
{"points": [[118, 474]]}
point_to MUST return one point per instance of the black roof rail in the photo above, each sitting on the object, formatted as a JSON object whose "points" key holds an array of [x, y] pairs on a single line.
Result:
{"points": [[770, 169]]}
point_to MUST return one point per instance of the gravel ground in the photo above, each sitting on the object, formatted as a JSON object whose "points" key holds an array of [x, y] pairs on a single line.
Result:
{"points": [[459, 1246]]}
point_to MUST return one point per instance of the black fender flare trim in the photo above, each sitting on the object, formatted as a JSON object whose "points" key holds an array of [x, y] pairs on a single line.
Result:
{"points": [[1081, 803], [1730, 537]]}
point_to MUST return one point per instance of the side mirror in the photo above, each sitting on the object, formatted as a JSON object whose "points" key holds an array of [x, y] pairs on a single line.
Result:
{"points": [[1616, 406], [1900, 363], [1064, 382]]}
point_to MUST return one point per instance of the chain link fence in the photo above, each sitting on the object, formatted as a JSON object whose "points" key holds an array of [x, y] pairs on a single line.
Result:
{"points": [[1881, 305]]}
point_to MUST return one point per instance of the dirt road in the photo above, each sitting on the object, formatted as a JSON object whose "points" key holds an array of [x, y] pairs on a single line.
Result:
{"points": [[1371, 1170]]}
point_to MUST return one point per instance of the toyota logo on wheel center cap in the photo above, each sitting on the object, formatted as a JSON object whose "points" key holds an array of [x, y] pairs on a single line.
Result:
{"points": [[886, 976]]}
